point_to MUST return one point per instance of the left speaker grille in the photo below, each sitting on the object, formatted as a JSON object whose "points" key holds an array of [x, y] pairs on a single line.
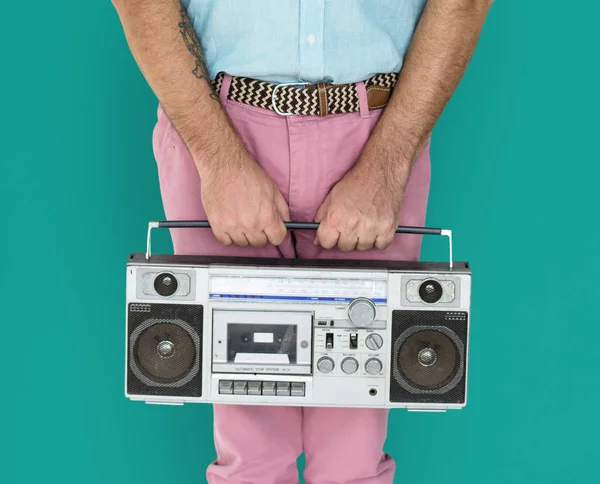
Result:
{"points": [[164, 349]]}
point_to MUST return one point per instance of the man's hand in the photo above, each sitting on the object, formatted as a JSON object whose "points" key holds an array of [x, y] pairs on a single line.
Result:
{"points": [[244, 207], [362, 211]]}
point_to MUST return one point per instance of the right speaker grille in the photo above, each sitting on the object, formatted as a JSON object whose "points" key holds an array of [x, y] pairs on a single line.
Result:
{"points": [[428, 356]]}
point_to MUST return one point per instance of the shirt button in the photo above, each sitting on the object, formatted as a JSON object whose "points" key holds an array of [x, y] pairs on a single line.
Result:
{"points": [[311, 39]]}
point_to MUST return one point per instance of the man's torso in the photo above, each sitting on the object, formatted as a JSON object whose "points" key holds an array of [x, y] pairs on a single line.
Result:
{"points": [[336, 41]]}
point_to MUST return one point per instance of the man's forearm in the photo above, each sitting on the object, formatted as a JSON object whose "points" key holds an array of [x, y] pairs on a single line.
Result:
{"points": [[165, 47], [441, 49]]}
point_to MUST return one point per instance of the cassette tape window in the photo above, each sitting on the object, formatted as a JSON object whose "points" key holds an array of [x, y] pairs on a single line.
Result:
{"points": [[248, 342], [262, 342]]}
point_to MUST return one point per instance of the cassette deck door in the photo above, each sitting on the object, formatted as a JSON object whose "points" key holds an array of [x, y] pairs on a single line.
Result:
{"points": [[266, 342]]}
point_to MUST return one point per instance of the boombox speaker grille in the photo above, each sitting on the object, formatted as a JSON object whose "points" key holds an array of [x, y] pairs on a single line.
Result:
{"points": [[428, 357], [164, 349]]}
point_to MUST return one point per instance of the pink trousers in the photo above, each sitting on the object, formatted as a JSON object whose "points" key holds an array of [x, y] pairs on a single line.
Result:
{"points": [[305, 157]]}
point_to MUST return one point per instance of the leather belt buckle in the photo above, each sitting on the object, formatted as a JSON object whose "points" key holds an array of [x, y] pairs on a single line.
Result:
{"points": [[274, 96]]}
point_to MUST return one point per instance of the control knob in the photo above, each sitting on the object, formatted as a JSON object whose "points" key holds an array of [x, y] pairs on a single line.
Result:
{"points": [[325, 364], [349, 365], [373, 366], [361, 312], [374, 341]]}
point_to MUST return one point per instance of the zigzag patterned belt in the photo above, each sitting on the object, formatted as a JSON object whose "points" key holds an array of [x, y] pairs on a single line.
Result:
{"points": [[311, 99]]}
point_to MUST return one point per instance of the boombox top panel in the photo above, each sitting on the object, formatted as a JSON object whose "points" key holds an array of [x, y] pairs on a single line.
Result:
{"points": [[199, 261]]}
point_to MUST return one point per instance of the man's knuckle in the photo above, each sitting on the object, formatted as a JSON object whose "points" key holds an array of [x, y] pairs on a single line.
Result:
{"points": [[351, 221], [226, 223], [270, 220], [335, 219], [382, 229], [370, 226], [251, 223]]}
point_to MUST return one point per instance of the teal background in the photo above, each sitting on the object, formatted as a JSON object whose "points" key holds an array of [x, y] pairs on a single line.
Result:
{"points": [[516, 172]]}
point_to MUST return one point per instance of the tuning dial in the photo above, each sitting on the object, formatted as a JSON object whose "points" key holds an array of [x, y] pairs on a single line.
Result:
{"points": [[349, 365], [374, 341], [325, 364], [373, 366], [361, 312]]}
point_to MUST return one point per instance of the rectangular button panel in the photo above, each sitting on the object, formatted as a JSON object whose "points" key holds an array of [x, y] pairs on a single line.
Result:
{"points": [[225, 386], [283, 388], [297, 389], [268, 388], [240, 388], [254, 388]]}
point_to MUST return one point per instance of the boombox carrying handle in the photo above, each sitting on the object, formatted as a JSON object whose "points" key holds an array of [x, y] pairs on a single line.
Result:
{"points": [[194, 224]]}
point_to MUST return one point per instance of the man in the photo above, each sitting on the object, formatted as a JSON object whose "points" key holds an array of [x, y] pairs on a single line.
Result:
{"points": [[350, 149]]}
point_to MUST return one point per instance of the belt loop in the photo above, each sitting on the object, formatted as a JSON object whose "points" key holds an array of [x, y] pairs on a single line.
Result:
{"points": [[322, 92], [225, 88], [362, 99]]}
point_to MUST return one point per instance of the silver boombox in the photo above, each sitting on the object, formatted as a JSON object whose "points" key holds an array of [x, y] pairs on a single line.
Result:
{"points": [[337, 333]]}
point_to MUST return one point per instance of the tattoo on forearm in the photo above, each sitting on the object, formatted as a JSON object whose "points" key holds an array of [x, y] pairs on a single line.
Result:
{"points": [[193, 45]]}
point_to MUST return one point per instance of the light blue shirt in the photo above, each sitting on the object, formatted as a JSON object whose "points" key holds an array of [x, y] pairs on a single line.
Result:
{"points": [[335, 41]]}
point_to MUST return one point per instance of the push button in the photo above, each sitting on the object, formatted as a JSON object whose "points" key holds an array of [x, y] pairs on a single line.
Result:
{"points": [[225, 386], [297, 389], [283, 388], [254, 388], [268, 388], [240, 387]]}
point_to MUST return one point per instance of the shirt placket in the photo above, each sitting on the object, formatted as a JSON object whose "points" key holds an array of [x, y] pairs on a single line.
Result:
{"points": [[312, 62]]}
